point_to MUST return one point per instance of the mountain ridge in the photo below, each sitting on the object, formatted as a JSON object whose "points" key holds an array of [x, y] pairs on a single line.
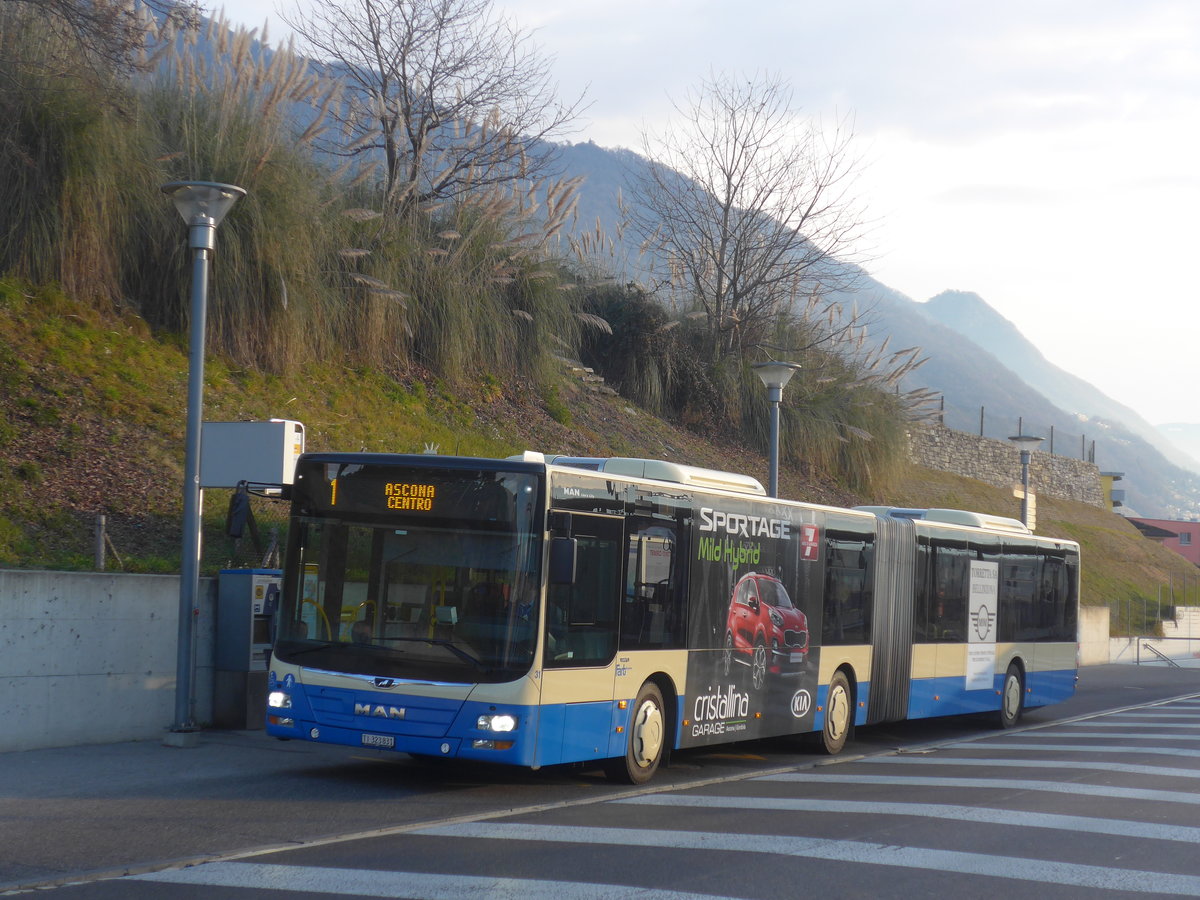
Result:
{"points": [[970, 315], [982, 384]]}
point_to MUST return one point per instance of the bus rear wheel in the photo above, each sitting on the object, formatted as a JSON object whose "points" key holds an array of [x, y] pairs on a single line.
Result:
{"points": [[646, 741], [1012, 697], [839, 715]]}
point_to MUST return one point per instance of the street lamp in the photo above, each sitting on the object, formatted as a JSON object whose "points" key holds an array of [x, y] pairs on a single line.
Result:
{"points": [[1027, 444], [775, 375], [203, 204]]}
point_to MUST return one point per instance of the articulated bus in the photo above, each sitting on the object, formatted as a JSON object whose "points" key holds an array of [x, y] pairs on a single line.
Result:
{"points": [[545, 610]]}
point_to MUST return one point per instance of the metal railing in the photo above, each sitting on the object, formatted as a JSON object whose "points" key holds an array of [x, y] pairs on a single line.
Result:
{"points": [[1183, 652], [1154, 650]]}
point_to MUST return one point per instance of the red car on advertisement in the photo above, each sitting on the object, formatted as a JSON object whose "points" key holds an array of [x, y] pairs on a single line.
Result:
{"points": [[764, 630]]}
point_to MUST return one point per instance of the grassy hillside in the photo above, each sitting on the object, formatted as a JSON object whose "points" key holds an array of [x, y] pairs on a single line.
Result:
{"points": [[92, 418], [92, 415]]}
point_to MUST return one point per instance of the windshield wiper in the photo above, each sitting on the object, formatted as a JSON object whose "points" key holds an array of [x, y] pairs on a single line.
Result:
{"points": [[313, 648], [440, 642]]}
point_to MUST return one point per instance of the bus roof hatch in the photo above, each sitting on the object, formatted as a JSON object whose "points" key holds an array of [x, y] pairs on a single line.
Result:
{"points": [[950, 517], [661, 470]]}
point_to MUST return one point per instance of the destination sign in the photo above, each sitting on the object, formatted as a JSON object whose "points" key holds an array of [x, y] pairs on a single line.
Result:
{"points": [[399, 495], [387, 489], [407, 496]]}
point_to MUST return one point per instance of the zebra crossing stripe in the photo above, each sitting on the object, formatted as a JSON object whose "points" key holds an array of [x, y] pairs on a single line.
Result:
{"points": [[1009, 784], [376, 883], [1009, 867], [1157, 712], [1027, 763], [1117, 827], [1099, 723], [1125, 737], [1140, 750]]}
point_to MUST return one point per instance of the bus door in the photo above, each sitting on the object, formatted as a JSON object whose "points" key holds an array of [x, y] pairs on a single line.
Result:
{"points": [[580, 644], [939, 622], [892, 639]]}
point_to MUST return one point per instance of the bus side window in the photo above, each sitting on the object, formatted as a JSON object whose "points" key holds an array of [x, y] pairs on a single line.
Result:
{"points": [[848, 594], [581, 618], [948, 609], [1019, 614], [651, 610], [1056, 600]]}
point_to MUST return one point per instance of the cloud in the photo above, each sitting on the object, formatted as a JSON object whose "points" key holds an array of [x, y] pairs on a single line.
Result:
{"points": [[999, 194]]}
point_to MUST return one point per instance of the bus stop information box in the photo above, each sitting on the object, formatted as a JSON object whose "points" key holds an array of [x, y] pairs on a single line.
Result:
{"points": [[258, 452]]}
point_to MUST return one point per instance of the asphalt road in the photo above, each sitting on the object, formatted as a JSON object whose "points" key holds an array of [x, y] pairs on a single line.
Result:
{"points": [[78, 814]]}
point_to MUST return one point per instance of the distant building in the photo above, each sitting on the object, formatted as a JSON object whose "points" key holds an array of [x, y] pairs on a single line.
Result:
{"points": [[1182, 537], [1114, 498]]}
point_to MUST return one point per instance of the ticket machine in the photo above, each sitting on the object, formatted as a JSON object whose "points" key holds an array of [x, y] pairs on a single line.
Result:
{"points": [[246, 604]]}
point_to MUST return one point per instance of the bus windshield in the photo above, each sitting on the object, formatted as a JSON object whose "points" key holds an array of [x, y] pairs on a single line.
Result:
{"points": [[444, 591]]}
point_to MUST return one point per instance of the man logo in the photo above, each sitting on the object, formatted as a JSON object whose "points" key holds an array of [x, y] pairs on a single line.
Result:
{"points": [[385, 683], [379, 712], [801, 704]]}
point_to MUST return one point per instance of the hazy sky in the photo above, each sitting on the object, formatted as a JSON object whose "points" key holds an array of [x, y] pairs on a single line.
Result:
{"points": [[1041, 153]]}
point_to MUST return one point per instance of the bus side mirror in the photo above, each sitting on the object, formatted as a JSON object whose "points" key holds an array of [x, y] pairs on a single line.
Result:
{"points": [[559, 521], [239, 513], [563, 555]]}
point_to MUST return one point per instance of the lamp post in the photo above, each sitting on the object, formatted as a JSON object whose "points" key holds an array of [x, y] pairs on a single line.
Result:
{"points": [[775, 375], [203, 204], [1027, 444]]}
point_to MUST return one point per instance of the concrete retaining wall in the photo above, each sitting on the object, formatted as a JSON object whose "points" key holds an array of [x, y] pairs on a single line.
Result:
{"points": [[1180, 642], [999, 463], [1094, 646], [91, 658]]}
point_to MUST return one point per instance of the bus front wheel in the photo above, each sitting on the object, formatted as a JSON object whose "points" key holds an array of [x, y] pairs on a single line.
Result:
{"points": [[646, 739], [839, 714], [1012, 697]]}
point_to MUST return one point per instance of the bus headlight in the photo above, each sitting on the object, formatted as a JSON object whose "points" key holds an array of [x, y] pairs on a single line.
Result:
{"points": [[279, 700], [497, 722]]}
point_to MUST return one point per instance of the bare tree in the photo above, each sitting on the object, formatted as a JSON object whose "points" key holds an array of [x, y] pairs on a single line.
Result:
{"points": [[747, 205], [452, 96], [109, 35]]}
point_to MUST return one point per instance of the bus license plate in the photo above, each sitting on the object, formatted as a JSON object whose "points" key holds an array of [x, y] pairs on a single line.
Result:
{"points": [[379, 740]]}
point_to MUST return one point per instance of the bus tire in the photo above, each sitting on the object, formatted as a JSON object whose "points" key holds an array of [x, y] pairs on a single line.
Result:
{"points": [[839, 714], [646, 739], [1012, 697]]}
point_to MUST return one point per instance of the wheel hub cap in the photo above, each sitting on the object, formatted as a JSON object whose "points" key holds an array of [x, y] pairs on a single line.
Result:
{"points": [[648, 734]]}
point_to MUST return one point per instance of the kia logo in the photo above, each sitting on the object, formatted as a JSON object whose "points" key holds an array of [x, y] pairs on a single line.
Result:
{"points": [[801, 704]]}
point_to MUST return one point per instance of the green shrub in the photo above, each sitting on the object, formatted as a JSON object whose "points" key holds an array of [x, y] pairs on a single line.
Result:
{"points": [[29, 472], [555, 407]]}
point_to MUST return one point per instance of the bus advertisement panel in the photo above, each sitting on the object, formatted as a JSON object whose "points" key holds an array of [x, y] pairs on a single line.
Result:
{"points": [[754, 609]]}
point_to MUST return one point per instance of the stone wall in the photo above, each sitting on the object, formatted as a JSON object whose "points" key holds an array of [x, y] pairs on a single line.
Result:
{"points": [[999, 463]]}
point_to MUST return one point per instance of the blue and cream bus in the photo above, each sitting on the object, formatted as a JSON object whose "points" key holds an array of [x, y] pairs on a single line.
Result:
{"points": [[544, 610]]}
